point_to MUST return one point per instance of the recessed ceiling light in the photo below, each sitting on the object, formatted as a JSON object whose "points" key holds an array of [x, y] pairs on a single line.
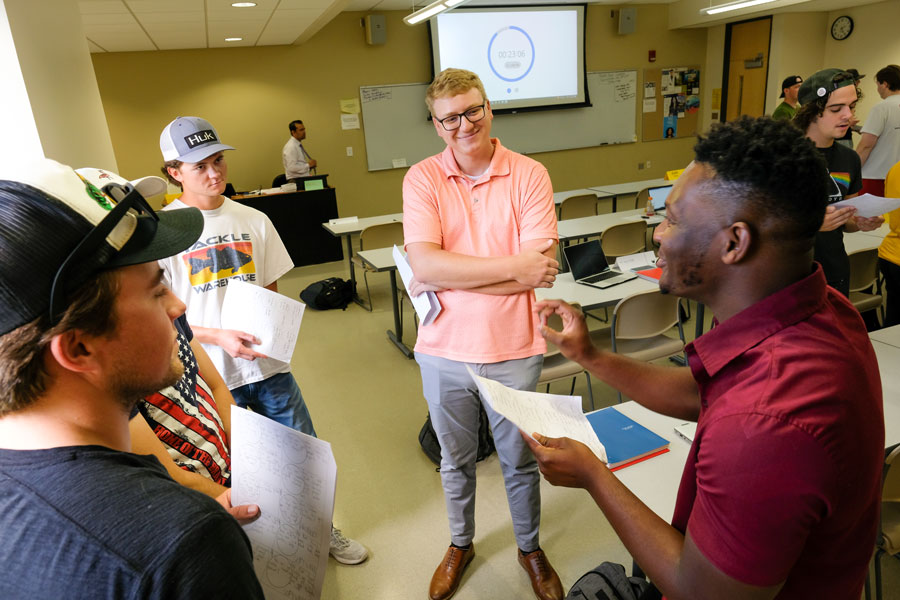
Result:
{"points": [[233, 39], [243, 4]]}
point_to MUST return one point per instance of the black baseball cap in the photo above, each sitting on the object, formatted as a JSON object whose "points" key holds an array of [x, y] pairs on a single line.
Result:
{"points": [[788, 82], [822, 83], [59, 227]]}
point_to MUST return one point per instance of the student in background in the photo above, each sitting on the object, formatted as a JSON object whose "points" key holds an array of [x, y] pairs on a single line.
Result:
{"points": [[781, 492], [828, 99], [889, 251], [788, 107], [879, 146], [86, 330]]}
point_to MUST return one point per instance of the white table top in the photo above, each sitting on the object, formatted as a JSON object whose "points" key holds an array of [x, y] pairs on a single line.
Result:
{"points": [[565, 288], [380, 259], [888, 359], [558, 197], [586, 226], [854, 242], [888, 335], [360, 224], [631, 187], [655, 481]]}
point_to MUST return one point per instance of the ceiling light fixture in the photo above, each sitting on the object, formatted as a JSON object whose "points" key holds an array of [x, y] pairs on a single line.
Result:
{"points": [[243, 4], [720, 8], [435, 8], [234, 39]]}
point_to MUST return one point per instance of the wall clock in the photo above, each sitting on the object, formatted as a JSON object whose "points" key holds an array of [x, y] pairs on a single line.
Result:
{"points": [[842, 28]]}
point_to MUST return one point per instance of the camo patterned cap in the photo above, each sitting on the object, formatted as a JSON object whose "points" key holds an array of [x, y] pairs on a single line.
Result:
{"points": [[58, 228]]}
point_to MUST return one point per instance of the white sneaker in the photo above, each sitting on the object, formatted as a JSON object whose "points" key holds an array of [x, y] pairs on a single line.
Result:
{"points": [[344, 550]]}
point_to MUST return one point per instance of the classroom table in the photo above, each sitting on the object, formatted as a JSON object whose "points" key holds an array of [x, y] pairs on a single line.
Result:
{"points": [[558, 197], [860, 240], [296, 216], [595, 225], [887, 335], [615, 190], [347, 230], [380, 260], [565, 288]]}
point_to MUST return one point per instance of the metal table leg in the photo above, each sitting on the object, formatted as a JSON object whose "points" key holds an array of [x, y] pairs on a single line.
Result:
{"points": [[397, 338]]}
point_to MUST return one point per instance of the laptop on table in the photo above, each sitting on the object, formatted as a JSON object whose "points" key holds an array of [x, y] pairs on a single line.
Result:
{"points": [[658, 196], [589, 266]]}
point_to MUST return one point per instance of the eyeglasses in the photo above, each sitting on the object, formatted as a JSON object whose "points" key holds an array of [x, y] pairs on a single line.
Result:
{"points": [[472, 115], [126, 198]]}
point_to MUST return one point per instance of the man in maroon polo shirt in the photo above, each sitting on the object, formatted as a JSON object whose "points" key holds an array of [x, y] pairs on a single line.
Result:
{"points": [[779, 497]]}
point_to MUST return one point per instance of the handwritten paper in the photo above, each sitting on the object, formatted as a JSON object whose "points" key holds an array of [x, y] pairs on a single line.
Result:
{"points": [[271, 317], [552, 415], [869, 205], [427, 305], [291, 477]]}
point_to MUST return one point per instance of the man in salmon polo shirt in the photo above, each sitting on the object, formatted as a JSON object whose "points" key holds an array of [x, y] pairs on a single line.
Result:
{"points": [[480, 230]]}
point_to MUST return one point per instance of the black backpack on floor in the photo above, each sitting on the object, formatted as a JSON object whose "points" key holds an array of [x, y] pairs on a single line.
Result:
{"points": [[609, 582], [432, 449], [329, 293]]}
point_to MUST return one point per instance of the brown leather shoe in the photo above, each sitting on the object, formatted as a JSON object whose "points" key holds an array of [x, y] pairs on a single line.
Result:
{"points": [[544, 580], [449, 573]]}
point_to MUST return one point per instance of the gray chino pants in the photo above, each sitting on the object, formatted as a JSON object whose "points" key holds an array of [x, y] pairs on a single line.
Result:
{"points": [[453, 402]]}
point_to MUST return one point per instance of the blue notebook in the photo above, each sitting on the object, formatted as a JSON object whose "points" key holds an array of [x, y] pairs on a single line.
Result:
{"points": [[626, 441]]}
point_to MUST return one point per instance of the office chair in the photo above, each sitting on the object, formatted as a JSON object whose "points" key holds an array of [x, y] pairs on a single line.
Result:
{"points": [[623, 239], [638, 327], [574, 207], [279, 180], [376, 236], [557, 367], [865, 281], [888, 541]]}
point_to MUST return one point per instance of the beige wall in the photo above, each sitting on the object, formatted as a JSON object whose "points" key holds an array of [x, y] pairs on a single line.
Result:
{"points": [[250, 94], [49, 86], [873, 44], [797, 48]]}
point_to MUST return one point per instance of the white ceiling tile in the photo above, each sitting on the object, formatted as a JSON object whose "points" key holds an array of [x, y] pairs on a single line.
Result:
{"points": [[169, 6], [119, 41], [90, 7], [168, 20], [180, 42], [114, 19]]}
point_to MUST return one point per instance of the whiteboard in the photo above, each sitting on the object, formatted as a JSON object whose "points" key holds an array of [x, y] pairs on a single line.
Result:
{"points": [[398, 133]]}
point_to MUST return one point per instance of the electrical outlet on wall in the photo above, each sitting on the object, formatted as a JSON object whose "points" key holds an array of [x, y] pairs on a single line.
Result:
{"points": [[349, 150], [647, 164]]}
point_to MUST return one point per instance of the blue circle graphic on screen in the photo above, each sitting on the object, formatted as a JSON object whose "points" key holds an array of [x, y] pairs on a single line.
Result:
{"points": [[509, 51]]}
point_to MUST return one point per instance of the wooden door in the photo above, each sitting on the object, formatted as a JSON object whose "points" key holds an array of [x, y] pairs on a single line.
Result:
{"points": [[747, 60]]}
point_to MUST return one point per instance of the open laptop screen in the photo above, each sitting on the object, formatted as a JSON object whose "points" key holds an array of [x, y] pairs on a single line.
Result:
{"points": [[658, 196], [585, 259]]}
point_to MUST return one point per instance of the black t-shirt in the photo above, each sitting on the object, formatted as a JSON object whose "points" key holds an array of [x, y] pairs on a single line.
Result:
{"points": [[845, 179], [91, 522]]}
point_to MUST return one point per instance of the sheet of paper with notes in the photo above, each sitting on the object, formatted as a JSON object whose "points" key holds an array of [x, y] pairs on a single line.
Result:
{"points": [[291, 476], [551, 415], [271, 317]]}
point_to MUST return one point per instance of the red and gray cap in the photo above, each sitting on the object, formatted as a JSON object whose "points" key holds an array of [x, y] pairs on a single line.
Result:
{"points": [[59, 227], [190, 140]]}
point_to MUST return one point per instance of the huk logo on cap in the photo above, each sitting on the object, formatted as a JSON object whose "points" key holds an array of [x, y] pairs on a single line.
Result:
{"points": [[200, 138]]}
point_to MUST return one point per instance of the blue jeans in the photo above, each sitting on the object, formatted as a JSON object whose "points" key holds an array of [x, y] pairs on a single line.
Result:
{"points": [[277, 398]]}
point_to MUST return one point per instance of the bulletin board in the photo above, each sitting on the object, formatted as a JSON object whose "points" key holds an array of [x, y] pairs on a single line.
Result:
{"points": [[670, 103]]}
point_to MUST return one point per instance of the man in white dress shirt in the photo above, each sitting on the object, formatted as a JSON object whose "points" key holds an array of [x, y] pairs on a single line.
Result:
{"points": [[297, 163]]}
